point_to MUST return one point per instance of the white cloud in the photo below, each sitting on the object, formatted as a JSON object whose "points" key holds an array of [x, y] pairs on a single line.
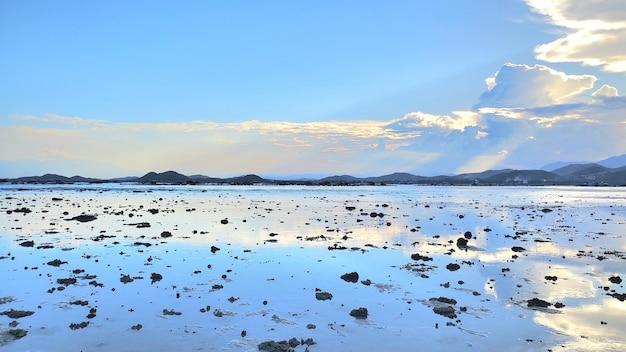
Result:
{"points": [[596, 32], [606, 91], [515, 86]]}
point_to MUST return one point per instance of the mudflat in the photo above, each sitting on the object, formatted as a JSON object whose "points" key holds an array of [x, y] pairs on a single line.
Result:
{"points": [[277, 268]]}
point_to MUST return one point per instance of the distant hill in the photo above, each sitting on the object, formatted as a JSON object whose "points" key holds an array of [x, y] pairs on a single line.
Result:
{"points": [[164, 177], [54, 178], [571, 174], [612, 162]]}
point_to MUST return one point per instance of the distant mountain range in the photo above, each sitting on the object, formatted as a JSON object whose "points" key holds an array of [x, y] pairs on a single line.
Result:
{"points": [[609, 172]]}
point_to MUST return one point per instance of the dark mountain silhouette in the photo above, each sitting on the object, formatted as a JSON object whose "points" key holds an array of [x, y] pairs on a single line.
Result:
{"points": [[570, 174], [164, 177]]}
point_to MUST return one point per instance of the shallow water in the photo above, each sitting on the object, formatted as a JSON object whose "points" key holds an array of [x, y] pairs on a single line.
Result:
{"points": [[277, 245]]}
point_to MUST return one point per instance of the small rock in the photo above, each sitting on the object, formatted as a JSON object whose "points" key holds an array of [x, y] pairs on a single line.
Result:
{"points": [[18, 333], [156, 277], [453, 267], [360, 313], [84, 218], [536, 302], [446, 311], [350, 277], [518, 249], [323, 296], [615, 280], [166, 234], [136, 327]]}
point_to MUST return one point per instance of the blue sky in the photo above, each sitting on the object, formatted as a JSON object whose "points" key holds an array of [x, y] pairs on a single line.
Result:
{"points": [[223, 88]]}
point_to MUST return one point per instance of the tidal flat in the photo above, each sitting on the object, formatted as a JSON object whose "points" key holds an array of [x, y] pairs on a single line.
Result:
{"points": [[123, 267]]}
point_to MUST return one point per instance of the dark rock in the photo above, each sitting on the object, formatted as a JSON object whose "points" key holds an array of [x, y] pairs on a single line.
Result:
{"points": [[366, 282], [559, 305], [294, 342], [350, 277], [539, 303], [446, 311], [84, 218], [214, 249], [417, 256], [273, 346], [27, 244], [21, 210], [153, 211], [232, 299], [136, 327], [615, 280], [56, 262], [17, 314], [224, 221], [171, 312], [145, 244], [461, 242], [18, 333], [75, 326], [323, 296], [311, 326], [518, 249], [80, 303], [620, 296], [467, 235], [546, 210], [360, 313], [126, 279], [166, 234], [453, 267], [551, 278], [67, 281], [444, 300], [156, 277]]}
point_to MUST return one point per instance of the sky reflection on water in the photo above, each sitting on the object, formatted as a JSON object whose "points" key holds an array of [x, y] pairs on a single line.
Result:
{"points": [[275, 248]]}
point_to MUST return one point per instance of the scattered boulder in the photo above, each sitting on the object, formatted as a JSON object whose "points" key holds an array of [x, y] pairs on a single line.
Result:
{"points": [[27, 244], [18, 333], [273, 346], [56, 262], [171, 312], [518, 249], [619, 296], [224, 221], [350, 277], [538, 303], [417, 256], [214, 249], [360, 313], [136, 327], [156, 277], [323, 296], [67, 281], [166, 234], [17, 314], [444, 300], [446, 311], [84, 218], [453, 267], [461, 242], [76, 326], [615, 280], [126, 279]]}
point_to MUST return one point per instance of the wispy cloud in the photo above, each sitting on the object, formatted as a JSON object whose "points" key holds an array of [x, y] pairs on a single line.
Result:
{"points": [[527, 117]]}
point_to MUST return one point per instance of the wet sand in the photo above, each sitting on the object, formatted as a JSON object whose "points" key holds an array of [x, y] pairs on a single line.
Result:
{"points": [[405, 268]]}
